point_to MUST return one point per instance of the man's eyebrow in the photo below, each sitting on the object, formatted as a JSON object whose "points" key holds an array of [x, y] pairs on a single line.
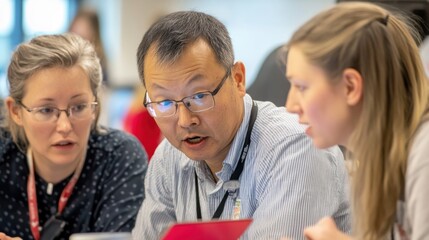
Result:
{"points": [[191, 80]]}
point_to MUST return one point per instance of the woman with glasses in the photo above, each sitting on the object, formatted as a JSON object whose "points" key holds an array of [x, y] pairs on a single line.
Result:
{"points": [[62, 173]]}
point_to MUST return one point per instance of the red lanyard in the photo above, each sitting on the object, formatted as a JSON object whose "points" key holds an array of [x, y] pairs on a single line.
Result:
{"points": [[32, 197]]}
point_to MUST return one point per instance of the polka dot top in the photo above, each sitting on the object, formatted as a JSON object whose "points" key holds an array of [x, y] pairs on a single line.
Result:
{"points": [[106, 197]]}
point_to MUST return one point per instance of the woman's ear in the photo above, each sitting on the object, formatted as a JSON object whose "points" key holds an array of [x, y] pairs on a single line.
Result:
{"points": [[353, 82], [14, 110], [239, 76]]}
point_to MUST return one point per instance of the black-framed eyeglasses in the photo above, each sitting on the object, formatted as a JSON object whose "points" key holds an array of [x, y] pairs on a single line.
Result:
{"points": [[51, 114], [199, 102]]}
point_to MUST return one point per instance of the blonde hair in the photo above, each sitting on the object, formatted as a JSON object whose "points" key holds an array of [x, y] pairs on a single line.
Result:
{"points": [[382, 47], [48, 51]]}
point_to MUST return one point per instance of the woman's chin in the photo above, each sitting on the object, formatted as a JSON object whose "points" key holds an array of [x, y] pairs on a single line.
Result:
{"points": [[322, 143]]}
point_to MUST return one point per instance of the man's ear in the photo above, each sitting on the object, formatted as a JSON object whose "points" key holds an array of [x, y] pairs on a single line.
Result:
{"points": [[353, 83], [14, 110], [239, 76]]}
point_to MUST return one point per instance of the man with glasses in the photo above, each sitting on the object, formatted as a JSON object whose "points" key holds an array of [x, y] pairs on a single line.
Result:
{"points": [[226, 156]]}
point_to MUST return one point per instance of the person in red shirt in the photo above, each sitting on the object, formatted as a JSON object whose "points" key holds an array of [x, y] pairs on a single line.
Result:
{"points": [[138, 122]]}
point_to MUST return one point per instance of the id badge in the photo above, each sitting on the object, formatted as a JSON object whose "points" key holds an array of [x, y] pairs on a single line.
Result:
{"points": [[236, 210], [52, 228]]}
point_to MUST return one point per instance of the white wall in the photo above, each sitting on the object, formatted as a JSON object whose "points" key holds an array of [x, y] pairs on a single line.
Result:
{"points": [[256, 27]]}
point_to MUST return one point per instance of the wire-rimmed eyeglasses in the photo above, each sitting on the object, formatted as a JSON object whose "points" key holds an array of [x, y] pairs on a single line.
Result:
{"points": [[51, 114], [199, 102]]}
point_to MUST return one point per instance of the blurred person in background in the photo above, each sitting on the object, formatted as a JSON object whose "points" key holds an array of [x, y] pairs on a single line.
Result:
{"points": [[2, 111], [61, 172], [86, 23], [358, 80], [137, 119], [224, 155], [141, 124]]}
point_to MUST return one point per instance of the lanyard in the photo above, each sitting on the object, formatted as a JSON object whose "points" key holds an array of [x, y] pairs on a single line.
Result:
{"points": [[237, 171], [32, 197]]}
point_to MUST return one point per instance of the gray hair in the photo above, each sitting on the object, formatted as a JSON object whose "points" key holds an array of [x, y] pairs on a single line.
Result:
{"points": [[175, 31], [48, 51]]}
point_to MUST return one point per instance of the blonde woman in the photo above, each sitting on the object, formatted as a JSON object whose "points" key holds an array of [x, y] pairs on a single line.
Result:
{"points": [[357, 80], [62, 173]]}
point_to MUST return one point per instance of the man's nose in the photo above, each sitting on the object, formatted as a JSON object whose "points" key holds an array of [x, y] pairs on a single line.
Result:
{"points": [[186, 117]]}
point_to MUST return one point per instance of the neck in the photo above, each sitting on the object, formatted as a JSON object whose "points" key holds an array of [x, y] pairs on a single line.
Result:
{"points": [[214, 167], [53, 174]]}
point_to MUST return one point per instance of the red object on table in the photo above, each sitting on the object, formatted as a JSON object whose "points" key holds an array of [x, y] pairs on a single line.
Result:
{"points": [[208, 230]]}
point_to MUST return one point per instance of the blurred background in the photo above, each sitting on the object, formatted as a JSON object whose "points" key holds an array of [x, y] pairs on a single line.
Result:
{"points": [[257, 27]]}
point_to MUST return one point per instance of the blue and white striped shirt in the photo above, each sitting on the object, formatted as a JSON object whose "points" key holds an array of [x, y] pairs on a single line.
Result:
{"points": [[286, 185]]}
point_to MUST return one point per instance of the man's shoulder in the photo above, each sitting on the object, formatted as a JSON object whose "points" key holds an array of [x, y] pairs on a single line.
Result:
{"points": [[276, 123], [279, 132]]}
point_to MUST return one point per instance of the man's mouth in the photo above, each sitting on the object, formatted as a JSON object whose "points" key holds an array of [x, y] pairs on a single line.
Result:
{"points": [[194, 140]]}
